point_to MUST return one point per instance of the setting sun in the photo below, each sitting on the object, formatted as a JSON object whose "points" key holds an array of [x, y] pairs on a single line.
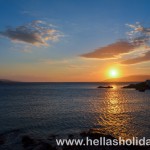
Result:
{"points": [[113, 73]]}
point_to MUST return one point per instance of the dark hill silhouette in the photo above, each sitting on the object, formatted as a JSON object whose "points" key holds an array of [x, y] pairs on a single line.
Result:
{"points": [[6, 81], [132, 78]]}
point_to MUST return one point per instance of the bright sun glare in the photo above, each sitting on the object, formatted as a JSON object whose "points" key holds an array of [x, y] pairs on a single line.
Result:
{"points": [[113, 73]]}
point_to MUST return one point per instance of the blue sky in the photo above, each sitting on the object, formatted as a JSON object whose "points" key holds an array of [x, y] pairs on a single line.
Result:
{"points": [[80, 27]]}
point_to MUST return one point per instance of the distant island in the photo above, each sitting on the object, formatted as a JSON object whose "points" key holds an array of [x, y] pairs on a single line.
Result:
{"points": [[132, 78], [140, 86], [104, 87], [7, 81]]}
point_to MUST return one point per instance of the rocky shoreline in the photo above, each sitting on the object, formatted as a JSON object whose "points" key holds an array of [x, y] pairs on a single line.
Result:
{"points": [[142, 87], [29, 142]]}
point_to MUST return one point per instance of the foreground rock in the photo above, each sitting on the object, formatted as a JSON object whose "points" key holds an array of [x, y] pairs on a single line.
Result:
{"points": [[139, 86], [28, 142], [2, 140]]}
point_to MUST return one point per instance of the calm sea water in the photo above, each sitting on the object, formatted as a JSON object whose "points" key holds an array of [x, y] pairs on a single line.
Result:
{"points": [[64, 108]]}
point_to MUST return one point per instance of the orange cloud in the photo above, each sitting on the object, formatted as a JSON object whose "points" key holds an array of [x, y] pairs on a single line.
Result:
{"points": [[111, 51], [144, 58]]}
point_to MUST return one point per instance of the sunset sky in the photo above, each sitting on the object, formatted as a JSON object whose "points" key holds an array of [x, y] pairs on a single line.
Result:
{"points": [[73, 40]]}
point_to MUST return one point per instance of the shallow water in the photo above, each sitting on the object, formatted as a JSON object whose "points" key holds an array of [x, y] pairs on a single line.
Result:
{"points": [[64, 108]]}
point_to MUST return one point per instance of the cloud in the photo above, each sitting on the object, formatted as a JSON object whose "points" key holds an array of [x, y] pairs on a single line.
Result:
{"points": [[137, 44], [139, 35], [37, 33], [111, 51], [145, 57]]}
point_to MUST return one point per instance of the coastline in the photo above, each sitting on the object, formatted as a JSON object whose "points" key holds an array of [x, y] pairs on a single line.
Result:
{"points": [[31, 142]]}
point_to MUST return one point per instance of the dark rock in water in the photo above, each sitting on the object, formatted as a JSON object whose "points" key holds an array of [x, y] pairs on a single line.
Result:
{"points": [[130, 86], [70, 136], [104, 87], [44, 146], [52, 137], [139, 86], [96, 134], [83, 134], [36, 144], [27, 141], [2, 140]]}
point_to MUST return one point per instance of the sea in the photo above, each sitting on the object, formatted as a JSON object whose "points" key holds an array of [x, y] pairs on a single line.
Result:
{"points": [[43, 109]]}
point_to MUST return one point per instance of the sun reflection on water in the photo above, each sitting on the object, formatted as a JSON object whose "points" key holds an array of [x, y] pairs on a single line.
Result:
{"points": [[114, 120], [114, 87]]}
